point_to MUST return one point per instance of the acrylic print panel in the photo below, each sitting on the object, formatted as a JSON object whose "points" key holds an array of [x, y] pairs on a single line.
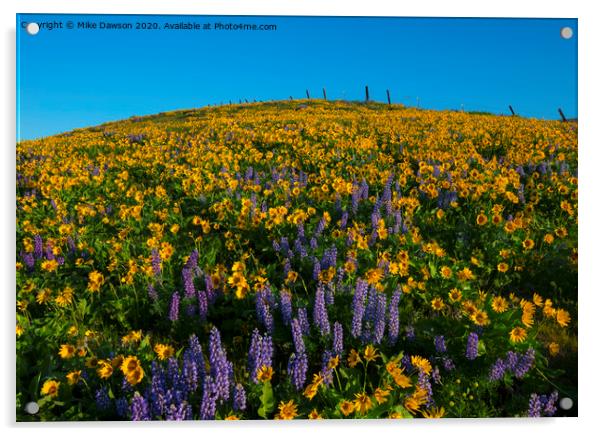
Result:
{"points": [[271, 217]]}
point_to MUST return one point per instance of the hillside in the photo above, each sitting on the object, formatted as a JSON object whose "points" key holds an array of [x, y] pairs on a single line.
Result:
{"points": [[311, 258]]}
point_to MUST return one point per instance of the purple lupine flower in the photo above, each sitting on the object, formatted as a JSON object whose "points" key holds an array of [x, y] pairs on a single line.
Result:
{"points": [[397, 226], [203, 304], [549, 406], [284, 247], [329, 259], [209, 400], [190, 310], [210, 289], [156, 262], [152, 292], [303, 320], [349, 240], [497, 371], [472, 345], [190, 371], [326, 370], [375, 217], [424, 383], [263, 303], [370, 313], [49, 253], [174, 309], [297, 369], [355, 199], [410, 333], [286, 308], [240, 398], [440, 346], [158, 388], [300, 232], [260, 353], [38, 246], [125, 386], [320, 312], [300, 249], [359, 302], [221, 368], [406, 362], [71, 244], [511, 360], [276, 246], [188, 280], [103, 402], [28, 260], [329, 295], [380, 321], [337, 339], [254, 353], [448, 364], [534, 406], [340, 277], [317, 268], [436, 375], [297, 336], [121, 405], [393, 317], [196, 354], [179, 412], [525, 363], [344, 219], [174, 377], [320, 227], [139, 408]]}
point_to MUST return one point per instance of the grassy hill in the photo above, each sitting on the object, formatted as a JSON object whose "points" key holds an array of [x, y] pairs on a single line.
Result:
{"points": [[316, 258]]}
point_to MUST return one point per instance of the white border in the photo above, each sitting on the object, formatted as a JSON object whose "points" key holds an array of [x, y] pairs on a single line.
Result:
{"points": [[590, 144]]}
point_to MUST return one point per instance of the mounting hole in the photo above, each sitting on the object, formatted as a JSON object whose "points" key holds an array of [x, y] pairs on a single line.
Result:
{"points": [[566, 32], [32, 408], [32, 28], [566, 403]]}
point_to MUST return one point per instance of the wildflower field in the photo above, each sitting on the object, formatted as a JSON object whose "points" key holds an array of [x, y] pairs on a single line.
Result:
{"points": [[302, 259]]}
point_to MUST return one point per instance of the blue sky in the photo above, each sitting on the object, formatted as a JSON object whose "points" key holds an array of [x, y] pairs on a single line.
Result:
{"points": [[76, 78]]}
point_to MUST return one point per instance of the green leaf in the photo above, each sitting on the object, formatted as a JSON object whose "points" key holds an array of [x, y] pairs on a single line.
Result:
{"points": [[267, 400], [481, 348]]}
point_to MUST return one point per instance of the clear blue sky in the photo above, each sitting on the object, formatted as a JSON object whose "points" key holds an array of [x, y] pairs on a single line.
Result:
{"points": [[77, 78]]}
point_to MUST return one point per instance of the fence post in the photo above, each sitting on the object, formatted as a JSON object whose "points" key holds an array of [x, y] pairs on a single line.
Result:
{"points": [[389, 97], [367, 94], [307, 93], [324, 92], [562, 115], [511, 110]]}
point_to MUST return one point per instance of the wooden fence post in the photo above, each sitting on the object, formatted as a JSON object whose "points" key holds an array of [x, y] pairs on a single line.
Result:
{"points": [[367, 94], [562, 115], [324, 92], [389, 97], [511, 110], [307, 93]]}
